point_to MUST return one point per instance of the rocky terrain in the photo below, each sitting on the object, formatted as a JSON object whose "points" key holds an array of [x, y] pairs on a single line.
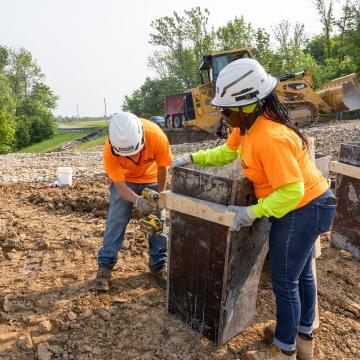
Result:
{"points": [[49, 238]]}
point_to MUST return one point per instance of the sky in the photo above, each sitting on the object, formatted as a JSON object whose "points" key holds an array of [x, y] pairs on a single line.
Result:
{"points": [[91, 50]]}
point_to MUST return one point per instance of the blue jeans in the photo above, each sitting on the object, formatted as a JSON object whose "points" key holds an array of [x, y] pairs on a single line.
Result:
{"points": [[117, 219], [291, 245]]}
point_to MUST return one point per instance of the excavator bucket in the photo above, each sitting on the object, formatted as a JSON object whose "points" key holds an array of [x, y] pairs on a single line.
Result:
{"points": [[342, 94]]}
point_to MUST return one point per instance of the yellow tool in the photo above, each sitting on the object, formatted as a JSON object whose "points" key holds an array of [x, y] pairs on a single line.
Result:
{"points": [[150, 195], [151, 224]]}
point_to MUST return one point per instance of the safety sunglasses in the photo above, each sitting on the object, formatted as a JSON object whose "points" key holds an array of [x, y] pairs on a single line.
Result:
{"points": [[245, 109], [226, 112]]}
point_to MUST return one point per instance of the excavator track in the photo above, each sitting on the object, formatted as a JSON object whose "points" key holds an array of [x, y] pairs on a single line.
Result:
{"points": [[302, 113]]}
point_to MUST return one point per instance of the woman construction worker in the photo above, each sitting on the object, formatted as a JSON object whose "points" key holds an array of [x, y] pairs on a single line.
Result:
{"points": [[291, 192], [136, 156]]}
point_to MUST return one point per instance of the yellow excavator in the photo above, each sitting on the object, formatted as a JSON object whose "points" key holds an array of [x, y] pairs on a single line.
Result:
{"points": [[295, 91]]}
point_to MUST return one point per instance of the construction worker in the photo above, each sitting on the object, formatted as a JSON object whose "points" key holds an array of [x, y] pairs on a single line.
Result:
{"points": [[291, 192], [136, 156]]}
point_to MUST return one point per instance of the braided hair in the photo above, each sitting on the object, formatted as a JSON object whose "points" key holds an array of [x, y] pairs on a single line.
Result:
{"points": [[274, 110]]}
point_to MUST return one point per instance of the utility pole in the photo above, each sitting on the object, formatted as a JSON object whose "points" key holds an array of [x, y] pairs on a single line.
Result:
{"points": [[105, 110], [77, 109]]}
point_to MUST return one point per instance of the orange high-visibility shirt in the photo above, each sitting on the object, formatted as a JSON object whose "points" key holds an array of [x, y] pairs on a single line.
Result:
{"points": [[155, 153], [272, 155]]}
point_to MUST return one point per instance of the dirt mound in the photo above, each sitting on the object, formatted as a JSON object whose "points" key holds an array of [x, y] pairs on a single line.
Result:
{"points": [[90, 197]]}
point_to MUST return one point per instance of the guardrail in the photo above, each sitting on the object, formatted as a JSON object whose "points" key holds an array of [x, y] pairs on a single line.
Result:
{"points": [[78, 129]]}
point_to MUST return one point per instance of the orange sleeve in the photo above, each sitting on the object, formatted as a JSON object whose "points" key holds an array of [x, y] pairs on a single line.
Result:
{"points": [[280, 165], [163, 154], [111, 164], [234, 140]]}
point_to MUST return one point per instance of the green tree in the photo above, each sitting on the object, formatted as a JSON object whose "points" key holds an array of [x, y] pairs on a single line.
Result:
{"points": [[33, 98], [265, 54], [34, 112], [235, 34], [22, 134], [317, 49], [326, 12], [352, 33], [291, 40], [23, 73], [181, 41], [149, 99], [344, 45], [7, 111], [4, 57]]}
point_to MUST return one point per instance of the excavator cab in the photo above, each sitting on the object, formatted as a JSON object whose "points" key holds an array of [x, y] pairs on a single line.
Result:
{"points": [[212, 64], [207, 116]]}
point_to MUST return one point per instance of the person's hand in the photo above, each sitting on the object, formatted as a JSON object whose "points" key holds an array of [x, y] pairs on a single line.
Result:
{"points": [[244, 217], [145, 206], [181, 161]]}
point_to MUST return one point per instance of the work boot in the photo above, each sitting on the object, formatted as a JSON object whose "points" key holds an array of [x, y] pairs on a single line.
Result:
{"points": [[160, 276], [102, 281], [304, 343], [305, 347], [272, 352], [269, 334]]}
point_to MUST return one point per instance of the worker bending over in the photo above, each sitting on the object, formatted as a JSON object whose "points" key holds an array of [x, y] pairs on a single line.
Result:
{"points": [[136, 156], [291, 192]]}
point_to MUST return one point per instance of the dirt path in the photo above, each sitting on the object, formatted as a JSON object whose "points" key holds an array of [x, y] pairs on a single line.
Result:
{"points": [[49, 240]]}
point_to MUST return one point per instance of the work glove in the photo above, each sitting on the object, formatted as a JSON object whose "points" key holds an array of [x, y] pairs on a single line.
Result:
{"points": [[145, 206], [244, 217], [181, 161]]}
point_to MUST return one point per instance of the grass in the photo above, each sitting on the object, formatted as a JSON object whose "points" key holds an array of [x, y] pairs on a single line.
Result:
{"points": [[53, 143], [92, 143], [98, 123]]}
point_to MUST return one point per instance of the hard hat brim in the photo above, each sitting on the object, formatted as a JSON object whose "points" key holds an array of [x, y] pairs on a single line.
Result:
{"points": [[130, 153]]}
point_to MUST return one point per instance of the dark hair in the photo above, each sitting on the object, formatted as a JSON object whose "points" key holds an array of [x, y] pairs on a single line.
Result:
{"points": [[274, 110]]}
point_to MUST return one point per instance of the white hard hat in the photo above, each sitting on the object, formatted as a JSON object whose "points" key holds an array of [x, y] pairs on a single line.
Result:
{"points": [[126, 134], [243, 82]]}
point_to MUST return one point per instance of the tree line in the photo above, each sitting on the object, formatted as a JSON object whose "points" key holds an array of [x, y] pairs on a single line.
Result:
{"points": [[181, 39], [25, 101]]}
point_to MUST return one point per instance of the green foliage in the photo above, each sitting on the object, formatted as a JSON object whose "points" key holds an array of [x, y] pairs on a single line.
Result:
{"points": [[326, 12], [25, 101], [235, 34], [4, 57], [23, 73], [183, 40], [35, 121], [7, 111], [148, 100], [264, 53], [22, 134]]}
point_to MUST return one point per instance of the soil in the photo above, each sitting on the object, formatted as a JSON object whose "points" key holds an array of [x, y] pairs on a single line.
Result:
{"points": [[49, 238]]}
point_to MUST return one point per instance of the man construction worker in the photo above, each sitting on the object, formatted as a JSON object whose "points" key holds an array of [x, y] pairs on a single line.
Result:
{"points": [[291, 192], [136, 156]]}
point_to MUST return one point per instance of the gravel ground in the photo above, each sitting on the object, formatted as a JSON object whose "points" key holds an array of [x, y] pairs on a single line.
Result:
{"points": [[42, 167]]}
